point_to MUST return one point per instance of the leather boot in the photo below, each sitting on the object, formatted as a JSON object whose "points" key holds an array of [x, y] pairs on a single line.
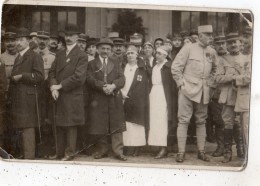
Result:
{"points": [[238, 137], [228, 145], [220, 141]]}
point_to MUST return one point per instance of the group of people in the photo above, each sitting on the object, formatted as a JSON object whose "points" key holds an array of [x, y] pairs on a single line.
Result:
{"points": [[127, 93]]}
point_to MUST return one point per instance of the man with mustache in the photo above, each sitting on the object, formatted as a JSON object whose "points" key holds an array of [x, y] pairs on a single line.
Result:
{"points": [[82, 42], [225, 77], [106, 113], [53, 43], [119, 51], [193, 69], [67, 77], [26, 76]]}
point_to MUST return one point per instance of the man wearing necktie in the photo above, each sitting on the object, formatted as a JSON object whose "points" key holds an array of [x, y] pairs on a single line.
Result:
{"points": [[27, 74], [106, 114], [67, 77]]}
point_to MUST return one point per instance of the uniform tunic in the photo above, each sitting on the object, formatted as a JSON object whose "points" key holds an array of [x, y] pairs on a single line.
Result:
{"points": [[158, 110], [135, 133]]}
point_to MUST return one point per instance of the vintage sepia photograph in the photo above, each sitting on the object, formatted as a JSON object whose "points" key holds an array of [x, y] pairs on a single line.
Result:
{"points": [[117, 85]]}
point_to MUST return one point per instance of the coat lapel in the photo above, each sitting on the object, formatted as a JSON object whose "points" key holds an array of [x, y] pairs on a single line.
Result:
{"points": [[66, 60], [20, 59], [99, 65]]}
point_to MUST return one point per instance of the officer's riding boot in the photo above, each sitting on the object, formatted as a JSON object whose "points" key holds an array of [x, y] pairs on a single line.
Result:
{"points": [[220, 142], [210, 132], [238, 137], [228, 145]]}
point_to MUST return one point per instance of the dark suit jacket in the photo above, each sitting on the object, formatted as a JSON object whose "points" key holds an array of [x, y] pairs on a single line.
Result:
{"points": [[3, 84], [70, 72], [23, 92], [106, 112]]}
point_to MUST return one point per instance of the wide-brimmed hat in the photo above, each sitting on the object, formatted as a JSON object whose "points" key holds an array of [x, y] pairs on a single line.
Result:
{"points": [[23, 32], [71, 29], [219, 39], [232, 36], [43, 34], [105, 41]]}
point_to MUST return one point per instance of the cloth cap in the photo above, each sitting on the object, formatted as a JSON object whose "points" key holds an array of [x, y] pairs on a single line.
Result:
{"points": [[232, 36], [149, 44], [82, 37], [118, 41], [43, 34], [205, 29]]}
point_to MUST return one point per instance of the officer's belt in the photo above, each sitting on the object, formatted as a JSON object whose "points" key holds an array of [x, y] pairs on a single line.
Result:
{"points": [[197, 76]]}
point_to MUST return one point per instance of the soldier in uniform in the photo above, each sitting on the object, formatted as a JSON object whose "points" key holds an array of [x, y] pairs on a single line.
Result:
{"points": [[106, 113], [67, 77], [3, 84], [192, 70], [82, 42], [33, 41], [26, 75], [225, 77], [119, 51], [215, 108]]}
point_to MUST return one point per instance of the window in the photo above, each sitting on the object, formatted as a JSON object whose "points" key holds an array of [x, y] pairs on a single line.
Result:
{"points": [[66, 17], [190, 20], [41, 21]]}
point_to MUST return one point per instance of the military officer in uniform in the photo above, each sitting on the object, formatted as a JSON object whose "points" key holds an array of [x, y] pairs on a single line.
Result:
{"points": [[67, 77], [106, 113], [82, 41], [26, 75], [225, 77], [118, 51], [192, 70]]}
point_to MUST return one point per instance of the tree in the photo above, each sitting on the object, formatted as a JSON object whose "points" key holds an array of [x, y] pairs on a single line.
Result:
{"points": [[127, 24]]}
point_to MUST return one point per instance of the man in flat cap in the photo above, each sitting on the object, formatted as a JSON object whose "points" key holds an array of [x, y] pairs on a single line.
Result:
{"points": [[26, 76], [192, 70], [225, 77], [106, 114], [119, 51], [82, 42], [67, 77]]}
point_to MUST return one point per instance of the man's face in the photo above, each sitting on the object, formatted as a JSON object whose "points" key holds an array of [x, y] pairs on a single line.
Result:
{"points": [[221, 47], [42, 42], [233, 46], [92, 49], [131, 56], [187, 41], [158, 43], [104, 50], [195, 37], [10, 44], [22, 43], [206, 38], [148, 51], [118, 49], [71, 39], [53, 42], [176, 43], [247, 41], [82, 44], [168, 45], [160, 57]]}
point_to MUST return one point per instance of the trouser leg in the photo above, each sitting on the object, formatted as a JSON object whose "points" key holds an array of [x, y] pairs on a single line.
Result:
{"points": [[28, 138], [117, 143], [60, 141], [201, 113], [103, 145], [71, 135], [184, 115], [228, 145], [238, 136]]}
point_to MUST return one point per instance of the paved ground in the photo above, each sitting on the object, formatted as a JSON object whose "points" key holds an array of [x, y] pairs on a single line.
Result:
{"points": [[147, 159]]}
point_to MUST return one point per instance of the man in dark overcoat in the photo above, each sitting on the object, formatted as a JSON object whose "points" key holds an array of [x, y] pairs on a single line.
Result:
{"points": [[3, 84], [67, 76], [26, 75], [106, 115]]}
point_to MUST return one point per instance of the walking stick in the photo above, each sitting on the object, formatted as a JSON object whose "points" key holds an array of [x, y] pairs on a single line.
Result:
{"points": [[38, 113], [54, 126]]}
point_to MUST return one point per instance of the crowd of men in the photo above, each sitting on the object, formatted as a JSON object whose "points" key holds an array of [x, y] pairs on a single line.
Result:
{"points": [[70, 84]]}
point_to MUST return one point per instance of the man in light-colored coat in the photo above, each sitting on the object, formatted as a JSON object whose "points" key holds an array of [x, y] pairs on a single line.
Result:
{"points": [[193, 70]]}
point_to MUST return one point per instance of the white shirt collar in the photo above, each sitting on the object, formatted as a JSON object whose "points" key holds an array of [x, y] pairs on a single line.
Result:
{"points": [[70, 47], [102, 59], [24, 50]]}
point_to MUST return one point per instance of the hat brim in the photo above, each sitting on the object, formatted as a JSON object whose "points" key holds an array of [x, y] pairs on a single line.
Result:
{"points": [[232, 39], [79, 39], [19, 36], [43, 36], [220, 41], [104, 43], [71, 33]]}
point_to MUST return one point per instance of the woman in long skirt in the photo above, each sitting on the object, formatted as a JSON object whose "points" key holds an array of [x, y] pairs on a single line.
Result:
{"points": [[135, 94], [163, 102]]}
